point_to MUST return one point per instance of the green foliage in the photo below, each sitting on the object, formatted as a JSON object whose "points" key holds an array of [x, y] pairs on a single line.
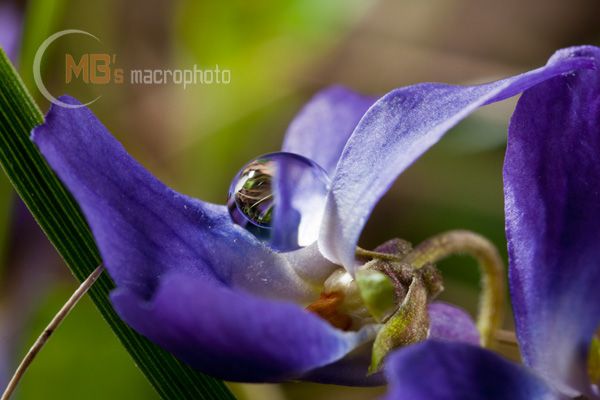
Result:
{"points": [[408, 325]]}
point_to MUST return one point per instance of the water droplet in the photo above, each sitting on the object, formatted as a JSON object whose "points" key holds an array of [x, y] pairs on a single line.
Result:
{"points": [[280, 198]]}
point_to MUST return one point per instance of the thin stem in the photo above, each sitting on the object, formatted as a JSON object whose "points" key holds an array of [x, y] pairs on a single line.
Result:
{"points": [[507, 345], [491, 306], [360, 252], [507, 337], [52, 326]]}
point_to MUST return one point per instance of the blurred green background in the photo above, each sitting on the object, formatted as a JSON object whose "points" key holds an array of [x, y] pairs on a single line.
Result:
{"points": [[195, 139]]}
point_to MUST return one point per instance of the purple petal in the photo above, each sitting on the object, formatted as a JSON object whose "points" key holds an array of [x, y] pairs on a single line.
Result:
{"points": [[322, 128], [144, 229], [552, 173], [300, 188], [234, 335], [451, 323], [319, 132], [434, 370], [397, 130]]}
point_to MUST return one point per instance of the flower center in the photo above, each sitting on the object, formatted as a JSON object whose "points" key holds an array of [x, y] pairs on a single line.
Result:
{"points": [[379, 288], [394, 288], [386, 291]]}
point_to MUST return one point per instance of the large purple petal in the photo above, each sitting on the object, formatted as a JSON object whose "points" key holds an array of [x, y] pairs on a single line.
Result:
{"points": [[144, 229], [552, 180], [397, 130], [234, 335], [434, 370], [322, 128]]}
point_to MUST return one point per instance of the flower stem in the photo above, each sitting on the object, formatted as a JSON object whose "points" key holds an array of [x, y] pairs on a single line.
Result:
{"points": [[507, 337], [507, 345], [52, 326], [491, 306], [360, 252]]}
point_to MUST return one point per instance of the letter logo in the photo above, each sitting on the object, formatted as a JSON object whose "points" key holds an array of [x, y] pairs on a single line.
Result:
{"points": [[75, 68]]}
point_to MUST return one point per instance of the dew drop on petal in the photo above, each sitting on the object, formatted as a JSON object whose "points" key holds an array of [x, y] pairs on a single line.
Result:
{"points": [[280, 198]]}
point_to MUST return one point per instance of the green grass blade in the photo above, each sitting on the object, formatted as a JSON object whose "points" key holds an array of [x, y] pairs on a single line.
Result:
{"points": [[62, 221]]}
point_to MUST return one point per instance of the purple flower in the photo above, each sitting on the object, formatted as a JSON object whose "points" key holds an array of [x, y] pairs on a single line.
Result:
{"points": [[552, 204], [216, 295]]}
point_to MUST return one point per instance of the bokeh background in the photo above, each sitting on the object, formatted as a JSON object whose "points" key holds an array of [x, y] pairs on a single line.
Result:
{"points": [[279, 54]]}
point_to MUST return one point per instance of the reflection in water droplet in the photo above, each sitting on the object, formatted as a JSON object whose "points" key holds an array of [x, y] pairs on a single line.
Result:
{"points": [[280, 198]]}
